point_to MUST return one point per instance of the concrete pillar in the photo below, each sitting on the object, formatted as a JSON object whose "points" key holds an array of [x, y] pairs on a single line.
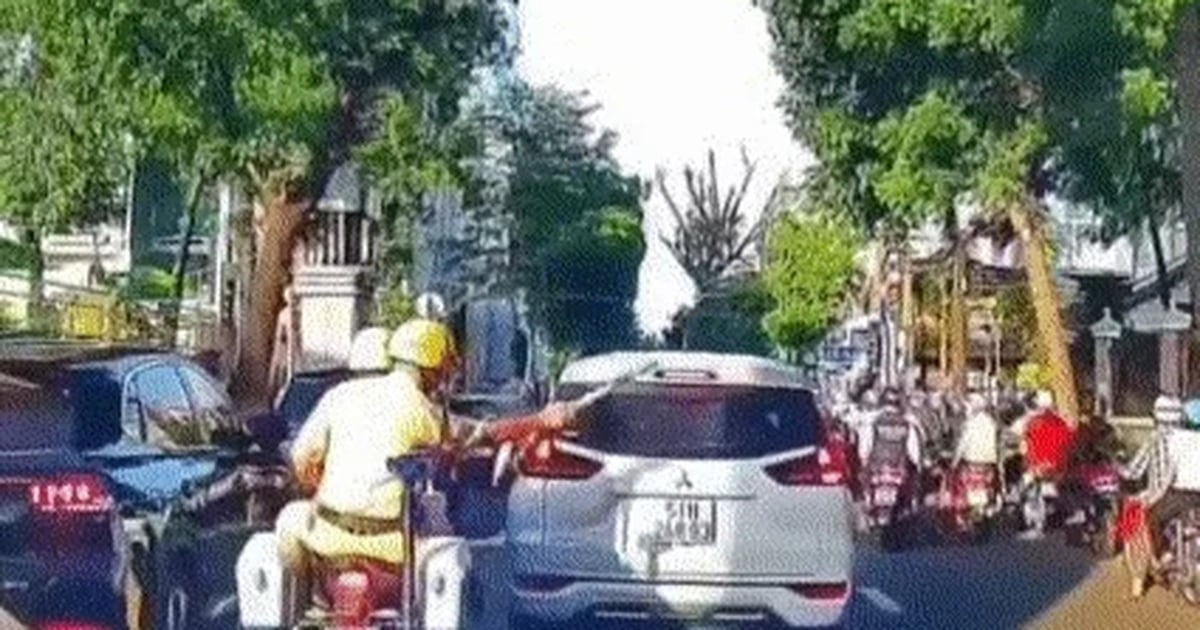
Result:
{"points": [[1103, 367], [1169, 325], [334, 304], [1168, 363]]}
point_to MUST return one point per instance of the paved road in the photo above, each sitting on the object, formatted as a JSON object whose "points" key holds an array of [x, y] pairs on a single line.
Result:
{"points": [[1005, 584]]}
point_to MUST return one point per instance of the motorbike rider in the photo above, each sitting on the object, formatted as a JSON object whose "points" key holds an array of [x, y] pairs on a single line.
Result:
{"points": [[1046, 444], [861, 413], [978, 442], [342, 450], [1170, 463], [891, 437]]}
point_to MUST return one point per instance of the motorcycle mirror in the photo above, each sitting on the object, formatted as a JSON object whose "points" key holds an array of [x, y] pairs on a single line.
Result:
{"points": [[504, 457]]}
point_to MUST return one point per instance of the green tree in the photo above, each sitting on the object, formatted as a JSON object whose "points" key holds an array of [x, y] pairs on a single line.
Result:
{"points": [[288, 91], [1010, 71], [577, 235], [809, 273], [1118, 131], [64, 123], [717, 244], [730, 320]]}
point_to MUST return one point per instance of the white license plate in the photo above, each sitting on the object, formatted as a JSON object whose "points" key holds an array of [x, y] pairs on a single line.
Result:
{"points": [[885, 495], [687, 523]]}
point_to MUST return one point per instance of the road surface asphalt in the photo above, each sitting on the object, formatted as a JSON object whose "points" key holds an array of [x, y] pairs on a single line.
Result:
{"points": [[999, 585]]}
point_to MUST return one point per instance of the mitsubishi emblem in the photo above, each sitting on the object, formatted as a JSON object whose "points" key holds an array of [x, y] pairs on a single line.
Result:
{"points": [[684, 482]]}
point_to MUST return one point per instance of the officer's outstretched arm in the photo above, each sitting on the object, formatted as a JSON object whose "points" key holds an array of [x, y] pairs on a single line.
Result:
{"points": [[556, 416]]}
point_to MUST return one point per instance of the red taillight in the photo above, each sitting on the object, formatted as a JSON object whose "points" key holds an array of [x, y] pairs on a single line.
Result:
{"points": [[545, 460], [827, 592], [816, 469], [70, 494]]}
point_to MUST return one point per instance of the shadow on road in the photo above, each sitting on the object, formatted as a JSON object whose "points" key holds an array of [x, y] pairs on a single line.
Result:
{"points": [[1003, 584]]}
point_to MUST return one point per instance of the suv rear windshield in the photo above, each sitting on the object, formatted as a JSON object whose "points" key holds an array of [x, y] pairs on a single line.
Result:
{"points": [[698, 421]]}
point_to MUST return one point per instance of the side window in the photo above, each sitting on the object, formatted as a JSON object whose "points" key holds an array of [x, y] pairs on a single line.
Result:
{"points": [[213, 409], [167, 415]]}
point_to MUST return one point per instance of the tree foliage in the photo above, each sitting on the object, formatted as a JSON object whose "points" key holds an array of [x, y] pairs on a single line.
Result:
{"points": [[910, 104], [64, 120], [731, 321], [282, 92], [577, 238], [810, 265]]}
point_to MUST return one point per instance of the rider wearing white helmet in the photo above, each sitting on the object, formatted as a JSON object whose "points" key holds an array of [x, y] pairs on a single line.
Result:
{"points": [[1170, 462], [978, 443], [368, 351]]}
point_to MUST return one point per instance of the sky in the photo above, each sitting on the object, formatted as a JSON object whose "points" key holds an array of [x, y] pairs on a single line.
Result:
{"points": [[673, 78]]}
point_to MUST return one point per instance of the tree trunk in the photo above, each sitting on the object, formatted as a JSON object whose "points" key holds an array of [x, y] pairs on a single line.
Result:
{"points": [[957, 333], [36, 312], [191, 203], [281, 223], [1047, 306], [37, 268], [1160, 264], [1188, 78], [944, 332], [908, 317], [285, 205]]}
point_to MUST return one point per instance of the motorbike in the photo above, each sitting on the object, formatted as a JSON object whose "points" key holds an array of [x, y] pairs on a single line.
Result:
{"points": [[969, 502], [363, 593], [886, 501], [1180, 561], [1096, 488]]}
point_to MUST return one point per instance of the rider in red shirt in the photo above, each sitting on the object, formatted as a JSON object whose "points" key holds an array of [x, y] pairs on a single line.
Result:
{"points": [[1048, 443], [1048, 440]]}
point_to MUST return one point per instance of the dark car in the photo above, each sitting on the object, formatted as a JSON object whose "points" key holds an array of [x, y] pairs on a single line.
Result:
{"points": [[125, 482]]}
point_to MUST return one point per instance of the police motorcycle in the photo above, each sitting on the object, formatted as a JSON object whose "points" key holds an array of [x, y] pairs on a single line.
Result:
{"points": [[363, 593], [432, 594]]}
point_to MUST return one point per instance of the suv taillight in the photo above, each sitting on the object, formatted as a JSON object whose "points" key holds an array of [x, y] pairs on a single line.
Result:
{"points": [[826, 592], [815, 469], [70, 494], [545, 460]]}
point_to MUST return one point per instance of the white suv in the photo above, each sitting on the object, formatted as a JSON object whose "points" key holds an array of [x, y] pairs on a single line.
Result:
{"points": [[699, 491]]}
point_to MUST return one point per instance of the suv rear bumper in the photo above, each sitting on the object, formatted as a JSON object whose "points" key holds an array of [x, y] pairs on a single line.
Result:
{"points": [[720, 603]]}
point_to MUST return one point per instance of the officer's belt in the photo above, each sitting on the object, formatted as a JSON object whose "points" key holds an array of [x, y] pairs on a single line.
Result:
{"points": [[360, 525]]}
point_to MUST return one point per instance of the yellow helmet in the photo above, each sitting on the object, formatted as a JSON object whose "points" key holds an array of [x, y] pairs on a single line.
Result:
{"points": [[423, 343]]}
